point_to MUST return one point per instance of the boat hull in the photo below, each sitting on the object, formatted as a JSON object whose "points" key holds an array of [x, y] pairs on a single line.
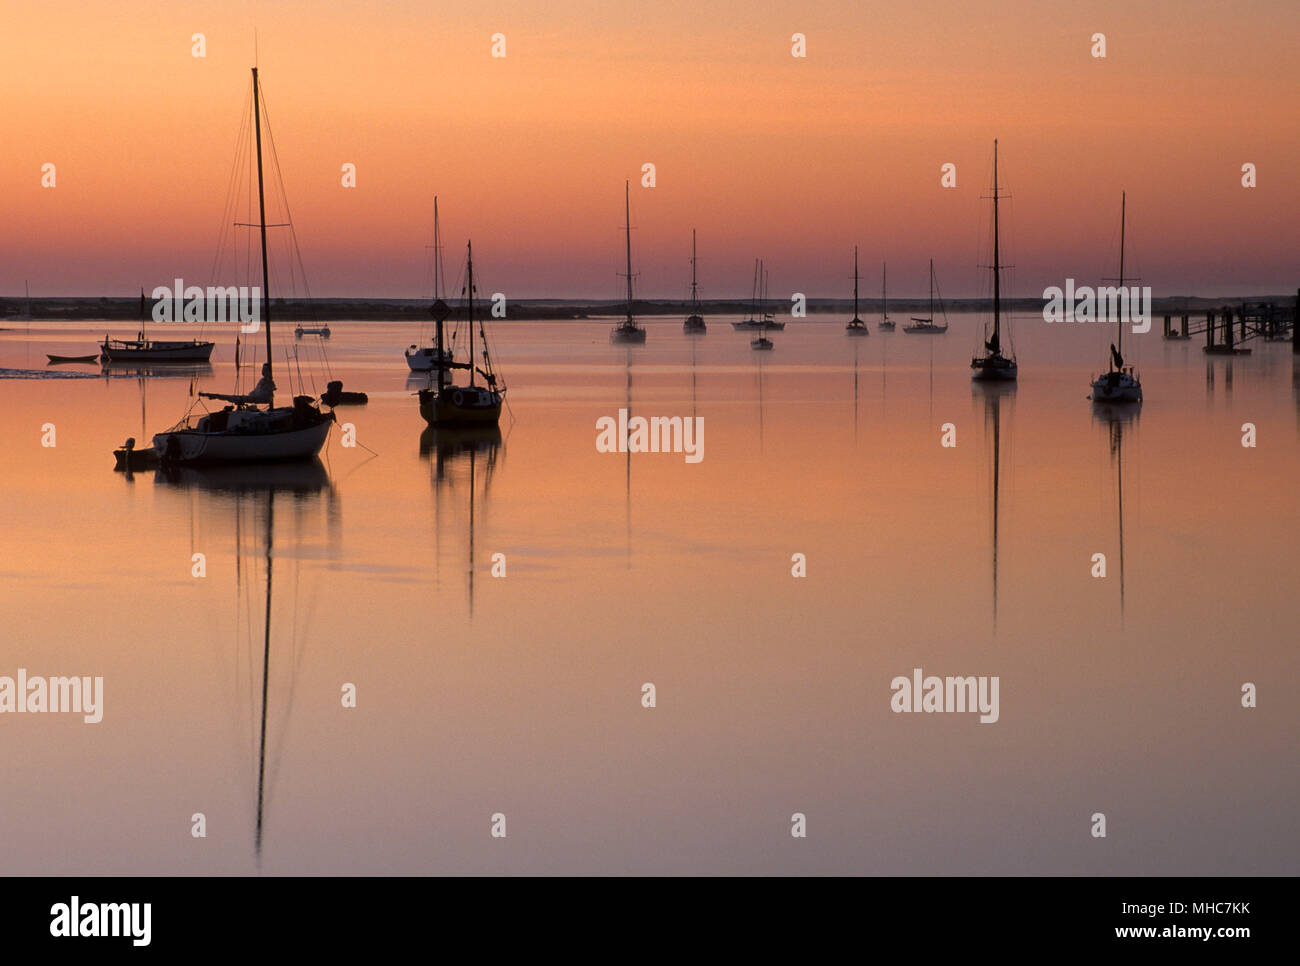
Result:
{"points": [[424, 360], [1124, 389], [157, 352], [925, 329], [460, 407], [694, 323], [857, 327], [994, 370], [192, 447], [627, 336]]}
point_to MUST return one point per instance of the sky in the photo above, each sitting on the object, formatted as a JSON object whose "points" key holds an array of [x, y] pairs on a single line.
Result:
{"points": [[792, 159]]}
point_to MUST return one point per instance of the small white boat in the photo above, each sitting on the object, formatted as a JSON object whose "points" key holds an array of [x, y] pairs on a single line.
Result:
{"points": [[425, 358], [928, 326], [761, 343]]}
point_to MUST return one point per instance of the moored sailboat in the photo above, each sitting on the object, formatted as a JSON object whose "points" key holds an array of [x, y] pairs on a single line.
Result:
{"points": [[694, 322], [1120, 383], [928, 326], [445, 404], [994, 365], [144, 349], [252, 429], [855, 325], [427, 358], [628, 330], [886, 324]]}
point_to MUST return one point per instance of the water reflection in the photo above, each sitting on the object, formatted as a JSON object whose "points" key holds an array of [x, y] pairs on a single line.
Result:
{"points": [[462, 453], [994, 394], [248, 497], [1119, 419]]}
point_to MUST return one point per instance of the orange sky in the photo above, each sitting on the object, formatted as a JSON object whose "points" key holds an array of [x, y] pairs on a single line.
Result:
{"points": [[792, 159]]}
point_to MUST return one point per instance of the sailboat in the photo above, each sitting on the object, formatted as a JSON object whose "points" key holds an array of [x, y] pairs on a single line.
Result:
{"points": [[1120, 384], [928, 326], [252, 429], [427, 358], [26, 314], [886, 324], [694, 322], [445, 404], [751, 320], [993, 365], [759, 318], [143, 349], [765, 320], [628, 330], [855, 325]]}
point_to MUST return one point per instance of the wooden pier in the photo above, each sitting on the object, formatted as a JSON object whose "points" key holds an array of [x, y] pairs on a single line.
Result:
{"points": [[1227, 328]]}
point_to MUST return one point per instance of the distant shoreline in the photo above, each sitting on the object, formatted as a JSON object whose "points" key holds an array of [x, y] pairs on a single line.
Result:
{"points": [[541, 310]]}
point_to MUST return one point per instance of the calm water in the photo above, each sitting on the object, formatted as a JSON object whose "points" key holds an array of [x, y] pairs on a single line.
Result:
{"points": [[522, 695]]}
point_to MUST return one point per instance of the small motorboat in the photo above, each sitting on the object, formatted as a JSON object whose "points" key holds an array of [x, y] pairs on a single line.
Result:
{"points": [[81, 360], [129, 459], [323, 331], [334, 395]]}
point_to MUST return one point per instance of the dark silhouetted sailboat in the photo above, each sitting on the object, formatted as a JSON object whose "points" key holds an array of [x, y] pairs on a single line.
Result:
{"points": [[446, 404], [252, 429], [994, 365], [1120, 383], [628, 330], [694, 323], [855, 325]]}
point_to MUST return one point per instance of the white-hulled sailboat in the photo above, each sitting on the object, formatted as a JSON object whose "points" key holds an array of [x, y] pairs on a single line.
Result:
{"points": [[1120, 383], [627, 330], [855, 325], [994, 365], [928, 326], [252, 429], [886, 324], [427, 358]]}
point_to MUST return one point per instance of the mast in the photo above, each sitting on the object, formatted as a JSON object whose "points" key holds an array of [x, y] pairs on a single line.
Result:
{"points": [[627, 217], [695, 297], [261, 208], [266, 659], [884, 305], [438, 313], [855, 281], [469, 270], [997, 278], [1123, 212], [932, 290]]}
